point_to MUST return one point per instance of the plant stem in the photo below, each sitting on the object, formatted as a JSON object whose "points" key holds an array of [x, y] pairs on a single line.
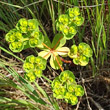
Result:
{"points": [[57, 43], [47, 78], [65, 61], [61, 51], [11, 53]]}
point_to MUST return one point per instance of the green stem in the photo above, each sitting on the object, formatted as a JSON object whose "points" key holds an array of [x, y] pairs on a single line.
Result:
{"points": [[11, 53], [47, 78]]}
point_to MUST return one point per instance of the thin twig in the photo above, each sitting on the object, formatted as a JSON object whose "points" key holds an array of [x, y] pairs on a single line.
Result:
{"points": [[86, 95], [33, 3], [78, 104], [44, 82], [96, 104]]}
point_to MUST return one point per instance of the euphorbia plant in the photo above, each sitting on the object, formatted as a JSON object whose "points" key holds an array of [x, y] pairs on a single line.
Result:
{"points": [[26, 34]]}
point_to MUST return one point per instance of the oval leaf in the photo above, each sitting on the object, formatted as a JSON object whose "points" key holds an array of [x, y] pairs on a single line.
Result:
{"points": [[58, 41], [54, 63], [45, 54], [63, 51]]}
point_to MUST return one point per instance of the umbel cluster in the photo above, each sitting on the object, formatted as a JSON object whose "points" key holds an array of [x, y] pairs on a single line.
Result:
{"points": [[65, 87], [26, 34]]}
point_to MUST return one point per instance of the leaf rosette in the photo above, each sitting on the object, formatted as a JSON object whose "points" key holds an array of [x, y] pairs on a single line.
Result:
{"points": [[55, 51]]}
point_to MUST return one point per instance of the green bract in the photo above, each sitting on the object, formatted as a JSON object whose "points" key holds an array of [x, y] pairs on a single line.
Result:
{"points": [[34, 66], [25, 35], [22, 25], [36, 39], [73, 51], [65, 87], [26, 26], [67, 23], [79, 91], [16, 46], [73, 12], [32, 25], [80, 54], [64, 19]]}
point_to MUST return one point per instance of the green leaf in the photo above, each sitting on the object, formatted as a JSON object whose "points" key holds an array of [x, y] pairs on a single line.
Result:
{"points": [[26, 44], [47, 42], [56, 40], [63, 51], [104, 37], [69, 36], [28, 87], [54, 63]]}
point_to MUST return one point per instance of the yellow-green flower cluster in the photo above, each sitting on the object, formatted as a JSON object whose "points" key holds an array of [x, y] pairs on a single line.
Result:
{"points": [[65, 87], [15, 38], [25, 26], [33, 67], [67, 23], [80, 54], [26, 34]]}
